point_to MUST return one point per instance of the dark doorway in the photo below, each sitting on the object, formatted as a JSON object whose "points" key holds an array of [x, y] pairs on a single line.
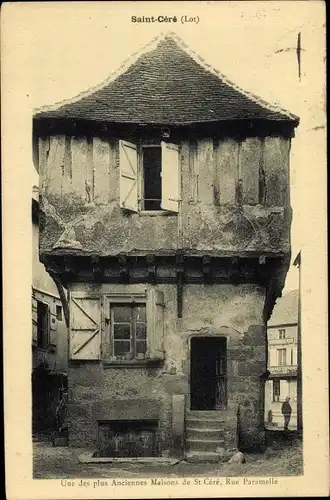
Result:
{"points": [[208, 373]]}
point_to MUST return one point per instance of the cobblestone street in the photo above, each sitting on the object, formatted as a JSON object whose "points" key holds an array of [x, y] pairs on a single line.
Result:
{"points": [[63, 462]]}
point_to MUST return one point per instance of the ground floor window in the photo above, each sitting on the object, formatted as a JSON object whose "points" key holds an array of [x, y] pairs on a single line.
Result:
{"points": [[276, 390], [129, 330], [117, 327]]}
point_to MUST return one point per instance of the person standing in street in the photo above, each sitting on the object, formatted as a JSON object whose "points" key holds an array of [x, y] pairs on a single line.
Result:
{"points": [[286, 411]]}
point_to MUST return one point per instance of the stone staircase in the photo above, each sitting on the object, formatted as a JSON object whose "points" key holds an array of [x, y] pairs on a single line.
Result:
{"points": [[204, 436]]}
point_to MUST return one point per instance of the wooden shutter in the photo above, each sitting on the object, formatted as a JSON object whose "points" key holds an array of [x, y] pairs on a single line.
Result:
{"points": [[128, 176], [53, 324], [34, 321], [85, 326], [171, 179], [155, 324]]}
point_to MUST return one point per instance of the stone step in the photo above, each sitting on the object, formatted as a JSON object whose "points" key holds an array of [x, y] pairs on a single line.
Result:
{"points": [[207, 414], [198, 457], [206, 433], [204, 445], [203, 423]]}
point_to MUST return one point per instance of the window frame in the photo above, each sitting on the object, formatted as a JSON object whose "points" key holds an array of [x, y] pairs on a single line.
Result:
{"points": [[45, 344], [111, 300], [276, 390], [139, 145], [281, 334], [59, 312], [153, 299], [283, 356], [141, 175], [132, 354]]}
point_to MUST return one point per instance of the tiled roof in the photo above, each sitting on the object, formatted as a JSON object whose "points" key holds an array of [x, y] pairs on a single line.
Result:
{"points": [[285, 310], [166, 83]]}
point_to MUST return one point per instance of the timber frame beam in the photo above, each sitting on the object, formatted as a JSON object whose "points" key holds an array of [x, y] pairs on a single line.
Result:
{"points": [[265, 270]]}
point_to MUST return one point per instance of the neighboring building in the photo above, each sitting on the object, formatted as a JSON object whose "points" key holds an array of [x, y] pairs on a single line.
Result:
{"points": [[282, 332], [166, 215], [49, 339]]}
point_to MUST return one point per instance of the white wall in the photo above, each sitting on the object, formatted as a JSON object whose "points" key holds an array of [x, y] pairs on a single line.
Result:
{"points": [[274, 344]]}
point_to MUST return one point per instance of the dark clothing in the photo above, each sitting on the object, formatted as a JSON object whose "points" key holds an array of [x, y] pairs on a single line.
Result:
{"points": [[286, 410]]}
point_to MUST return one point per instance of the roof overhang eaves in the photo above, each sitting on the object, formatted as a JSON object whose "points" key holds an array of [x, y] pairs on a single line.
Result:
{"points": [[294, 122]]}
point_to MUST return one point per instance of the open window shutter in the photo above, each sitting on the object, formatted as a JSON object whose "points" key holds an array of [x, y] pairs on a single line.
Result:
{"points": [[128, 176], [85, 326], [171, 180], [155, 324], [34, 321]]}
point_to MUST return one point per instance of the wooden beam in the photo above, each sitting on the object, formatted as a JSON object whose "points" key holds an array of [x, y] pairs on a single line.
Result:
{"points": [[69, 265], [97, 267], [123, 268], [151, 264], [179, 277], [207, 269], [234, 270]]}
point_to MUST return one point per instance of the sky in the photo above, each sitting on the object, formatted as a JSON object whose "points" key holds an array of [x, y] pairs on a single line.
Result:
{"points": [[74, 47]]}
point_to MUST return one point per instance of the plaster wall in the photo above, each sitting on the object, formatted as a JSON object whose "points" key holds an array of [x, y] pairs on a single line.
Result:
{"points": [[98, 391], [235, 197]]}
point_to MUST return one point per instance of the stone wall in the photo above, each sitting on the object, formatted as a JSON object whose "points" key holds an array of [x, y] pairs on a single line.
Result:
{"points": [[98, 391]]}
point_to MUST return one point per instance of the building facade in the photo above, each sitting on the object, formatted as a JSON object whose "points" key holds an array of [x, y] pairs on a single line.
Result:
{"points": [[166, 216], [282, 332], [49, 339]]}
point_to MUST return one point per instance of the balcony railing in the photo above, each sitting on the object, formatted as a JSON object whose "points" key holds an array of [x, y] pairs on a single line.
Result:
{"points": [[283, 370]]}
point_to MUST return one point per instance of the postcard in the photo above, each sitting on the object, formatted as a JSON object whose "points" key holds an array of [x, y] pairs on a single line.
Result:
{"points": [[165, 270]]}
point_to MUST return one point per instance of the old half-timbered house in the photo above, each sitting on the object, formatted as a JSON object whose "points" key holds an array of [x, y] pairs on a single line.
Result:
{"points": [[166, 216]]}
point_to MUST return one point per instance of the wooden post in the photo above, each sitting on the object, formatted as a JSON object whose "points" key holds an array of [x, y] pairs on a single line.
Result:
{"points": [[297, 263], [179, 280]]}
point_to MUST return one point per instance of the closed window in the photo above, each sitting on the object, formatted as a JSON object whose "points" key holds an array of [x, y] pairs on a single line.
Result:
{"points": [[149, 176], [59, 315], [42, 325], [129, 330], [132, 327], [281, 334], [281, 356]]}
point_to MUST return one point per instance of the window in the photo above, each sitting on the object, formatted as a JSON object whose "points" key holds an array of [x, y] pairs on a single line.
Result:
{"points": [[117, 328], [59, 315], [281, 334], [152, 182], [281, 353], [276, 390], [42, 325], [129, 330], [149, 177]]}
